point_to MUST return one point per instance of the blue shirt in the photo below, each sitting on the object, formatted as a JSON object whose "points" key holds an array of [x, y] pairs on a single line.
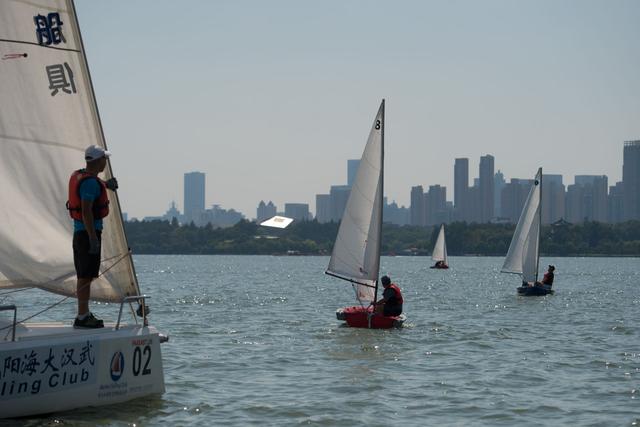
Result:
{"points": [[89, 190]]}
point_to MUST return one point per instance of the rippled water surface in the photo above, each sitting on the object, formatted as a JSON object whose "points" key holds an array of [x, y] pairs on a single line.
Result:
{"points": [[254, 341]]}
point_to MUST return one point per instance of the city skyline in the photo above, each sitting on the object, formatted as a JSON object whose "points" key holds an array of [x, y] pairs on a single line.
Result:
{"points": [[264, 98], [589, 197]]}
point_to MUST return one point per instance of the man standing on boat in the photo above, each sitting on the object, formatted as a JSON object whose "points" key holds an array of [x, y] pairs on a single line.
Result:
{"points": [[88, 204], [391, 302]]}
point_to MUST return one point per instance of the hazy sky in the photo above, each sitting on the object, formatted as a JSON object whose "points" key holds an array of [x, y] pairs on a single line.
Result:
{"points": [[270, 98]]}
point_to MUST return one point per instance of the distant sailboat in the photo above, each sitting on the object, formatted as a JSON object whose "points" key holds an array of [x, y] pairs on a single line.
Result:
{"points": [[523, 256], [439, 254], [48, 116], [356, 252]]}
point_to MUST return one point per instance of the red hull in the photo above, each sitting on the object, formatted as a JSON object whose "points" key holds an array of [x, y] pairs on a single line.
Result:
{"points": [[363, 317]]}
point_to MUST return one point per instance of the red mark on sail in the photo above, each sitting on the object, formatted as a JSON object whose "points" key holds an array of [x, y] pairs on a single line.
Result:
{"points": [[14, 55]]}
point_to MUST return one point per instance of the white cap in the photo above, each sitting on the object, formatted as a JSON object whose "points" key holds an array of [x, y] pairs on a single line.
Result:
{"points": [[94, 152]]}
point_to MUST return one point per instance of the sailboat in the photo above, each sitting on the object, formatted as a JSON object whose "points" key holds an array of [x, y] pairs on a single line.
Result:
{"points": [[48, 116], [356, 252], [439, 254], [523, 256]]}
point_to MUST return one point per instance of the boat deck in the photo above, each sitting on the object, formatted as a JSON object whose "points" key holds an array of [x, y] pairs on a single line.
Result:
{"points": [[37, 330]]}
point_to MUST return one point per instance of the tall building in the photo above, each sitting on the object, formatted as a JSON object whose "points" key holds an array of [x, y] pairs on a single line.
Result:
{"points": [[553, 198], [338, 197], [265, 211], [574, 203], [631, 180], [498, 185], [486, 188], [616, 201], [514, 194], [323, 208], [461, 188], [416, 210], [297, 211], [436, 205], [352, 170], [595, 201], [193, 196]]}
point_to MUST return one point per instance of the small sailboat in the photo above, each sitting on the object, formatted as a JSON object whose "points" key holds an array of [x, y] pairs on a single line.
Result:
{"points": [[523, 257], [439, 254], [356, 252], [48, 116]]}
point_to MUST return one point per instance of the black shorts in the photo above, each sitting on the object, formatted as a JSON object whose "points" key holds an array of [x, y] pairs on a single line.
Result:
{"points": [[392, 310], [87, 265]]}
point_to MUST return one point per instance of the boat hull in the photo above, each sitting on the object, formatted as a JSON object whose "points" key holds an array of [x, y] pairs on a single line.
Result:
{"points": [[534, 291], [363, 317], [55, 368], [446, 267]]}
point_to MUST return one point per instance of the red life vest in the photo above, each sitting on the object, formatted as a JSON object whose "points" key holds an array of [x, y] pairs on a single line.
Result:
{"points": [[74, 204], [396, 289]]}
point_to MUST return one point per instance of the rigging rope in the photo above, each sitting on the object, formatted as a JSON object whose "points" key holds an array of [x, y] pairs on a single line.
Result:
{"points": [[69, 296]]}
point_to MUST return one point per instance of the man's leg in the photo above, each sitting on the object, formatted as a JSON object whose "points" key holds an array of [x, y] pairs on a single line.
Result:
{"points": [[83, 291]]}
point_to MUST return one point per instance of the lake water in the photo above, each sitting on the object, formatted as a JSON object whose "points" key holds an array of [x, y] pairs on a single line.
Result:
{"points": [[254, 341]]}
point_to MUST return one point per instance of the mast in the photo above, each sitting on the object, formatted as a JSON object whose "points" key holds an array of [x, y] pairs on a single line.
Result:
{"points": [[375, 292], [133, 276], [539, 223]]}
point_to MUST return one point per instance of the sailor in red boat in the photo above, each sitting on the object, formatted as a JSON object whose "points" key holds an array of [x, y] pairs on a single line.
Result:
{"points": [[548, 276], [391, 302]]}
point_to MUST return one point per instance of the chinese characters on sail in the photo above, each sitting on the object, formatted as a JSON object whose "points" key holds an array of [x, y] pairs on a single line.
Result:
{"points": [[48, 33]]}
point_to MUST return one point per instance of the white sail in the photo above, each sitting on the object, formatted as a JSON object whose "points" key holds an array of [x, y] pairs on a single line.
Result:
{"points": [[522, 257], [440, 249], [356, 252], [48, 116]]}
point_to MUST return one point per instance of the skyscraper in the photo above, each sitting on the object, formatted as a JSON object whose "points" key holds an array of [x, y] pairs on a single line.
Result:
{"points": [[436, 205], [616, 200], [352, 170], [486, 188], [265, 211], [631, 180], [552, 198], [514, 194], [498, 185], [416, 210], [461, 188], [323, 208], [338, 197], [595, 203], [193, 196], [297, 211]]}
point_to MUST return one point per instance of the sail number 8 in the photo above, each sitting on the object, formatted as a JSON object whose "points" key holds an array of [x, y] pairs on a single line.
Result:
{"points": [[138, 356], [377, 124]]}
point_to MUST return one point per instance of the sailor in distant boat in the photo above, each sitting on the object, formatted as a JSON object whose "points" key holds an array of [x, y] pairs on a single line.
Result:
{"points": [[88, 204], [547, 280], [391, 302]]}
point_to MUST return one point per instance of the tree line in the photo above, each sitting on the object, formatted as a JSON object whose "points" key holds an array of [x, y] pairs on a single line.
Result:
{"points": [[313, 238]]}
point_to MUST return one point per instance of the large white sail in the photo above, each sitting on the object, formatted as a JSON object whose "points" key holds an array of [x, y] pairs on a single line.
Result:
{"points": [[440, 249], [356, 252], [48, 116], [522, 257]]}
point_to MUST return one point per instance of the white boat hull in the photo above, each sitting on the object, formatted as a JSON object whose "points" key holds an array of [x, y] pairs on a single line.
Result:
{"points": [[52, 368]]}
